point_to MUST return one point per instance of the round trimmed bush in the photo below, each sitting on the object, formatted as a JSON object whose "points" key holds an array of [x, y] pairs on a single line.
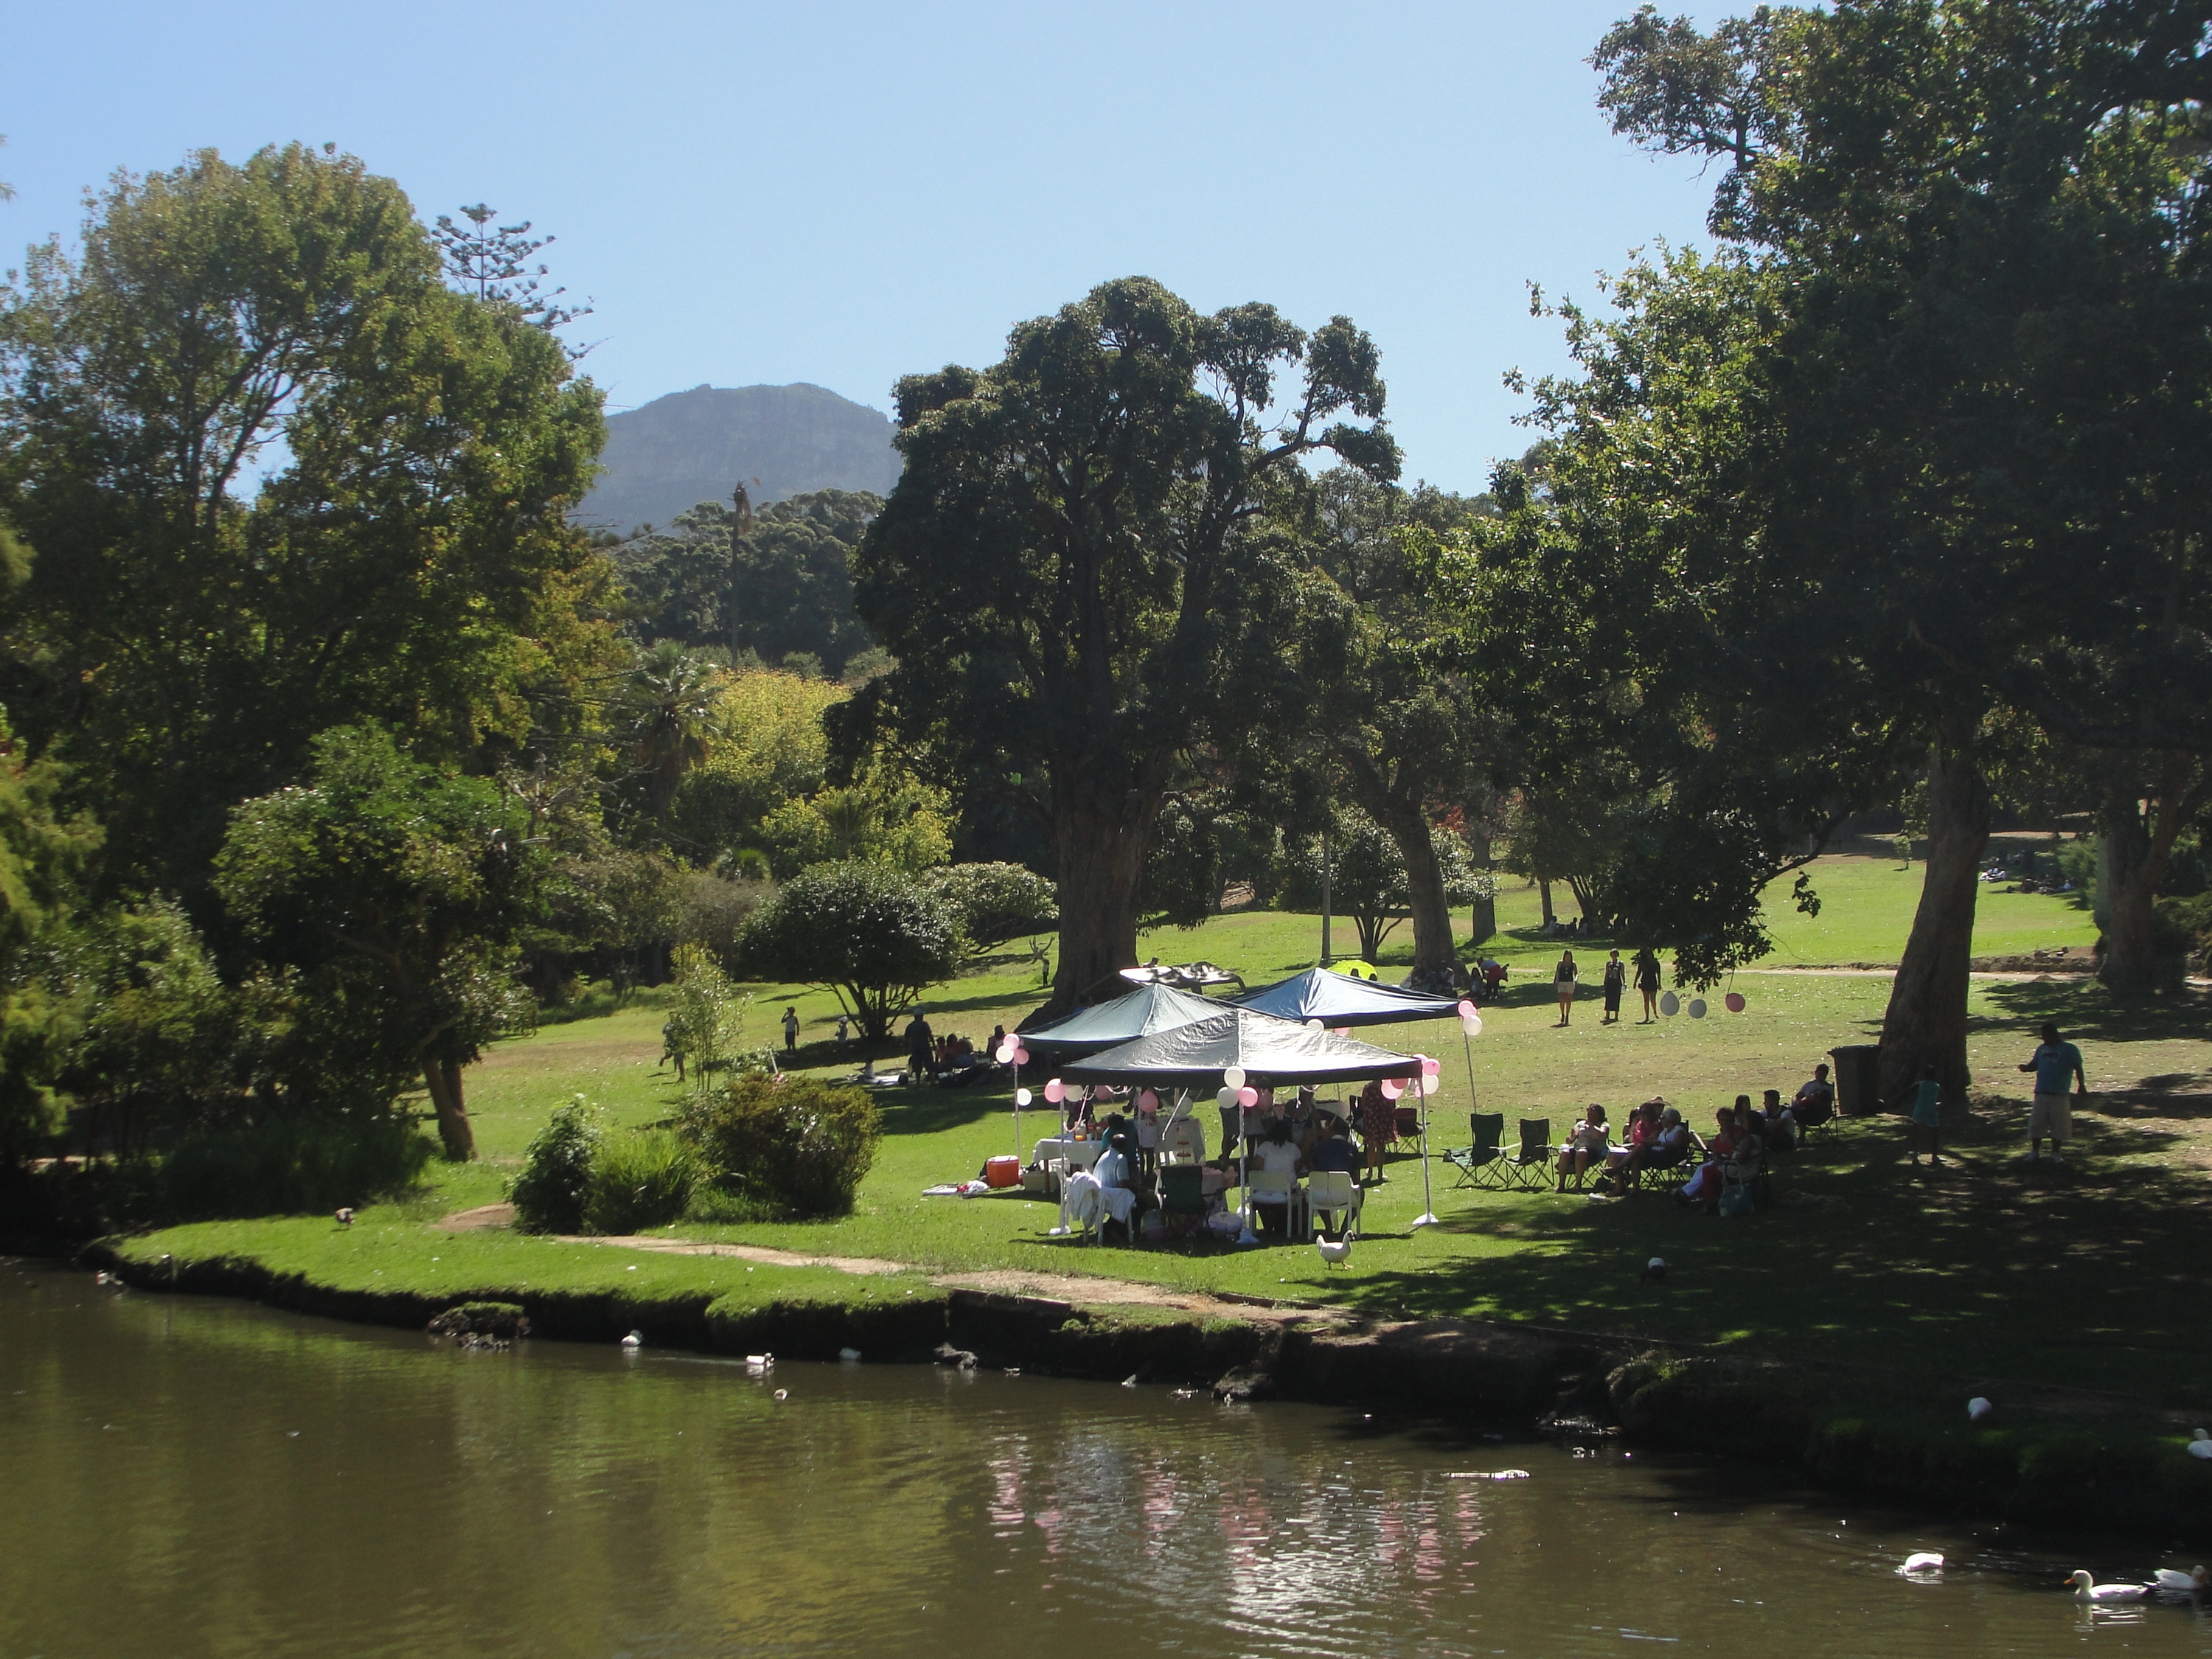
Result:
{"points": [[795, 1145]]}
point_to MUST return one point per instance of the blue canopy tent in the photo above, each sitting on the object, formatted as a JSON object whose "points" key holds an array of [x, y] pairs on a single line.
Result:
{"points": [[1337, 999], [1089, 1030]]}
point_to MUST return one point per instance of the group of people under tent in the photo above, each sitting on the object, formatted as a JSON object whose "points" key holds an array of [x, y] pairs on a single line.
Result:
{"points": [[1657, 1136], [1299, 1119]]}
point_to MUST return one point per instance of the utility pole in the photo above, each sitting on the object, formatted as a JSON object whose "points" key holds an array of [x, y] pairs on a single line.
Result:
{"points": [[1324, 898]]}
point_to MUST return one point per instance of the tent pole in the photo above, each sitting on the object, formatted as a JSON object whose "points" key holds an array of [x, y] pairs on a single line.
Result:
{"points": [[1017, 1114], [1428, 1215]]}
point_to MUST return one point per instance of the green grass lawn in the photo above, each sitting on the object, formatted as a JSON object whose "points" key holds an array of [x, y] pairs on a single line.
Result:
{"points": [[2091, 1278]]}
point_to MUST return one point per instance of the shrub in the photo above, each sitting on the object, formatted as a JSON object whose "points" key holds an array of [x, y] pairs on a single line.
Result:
{"points": [[874, 933], [556, 1172], [638, 1180], [291, 1165], [995, 902], [795, 1145], [706, 1018]]}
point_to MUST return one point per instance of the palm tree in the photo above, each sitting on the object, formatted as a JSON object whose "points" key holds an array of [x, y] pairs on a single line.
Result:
{"points": [[671, 697]]}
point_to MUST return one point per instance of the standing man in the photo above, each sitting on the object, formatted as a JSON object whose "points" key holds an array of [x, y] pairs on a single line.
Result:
{"points": [[790, 1029], [2053, 1063], [1616, 982], [920, 1062]]}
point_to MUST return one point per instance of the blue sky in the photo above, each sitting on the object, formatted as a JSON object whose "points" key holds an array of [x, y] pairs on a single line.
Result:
{"points": [[847, 193]]}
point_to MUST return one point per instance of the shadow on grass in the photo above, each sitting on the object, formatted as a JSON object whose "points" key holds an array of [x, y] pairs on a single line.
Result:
{"points": [[2086, 1277], [2087, 1013]]}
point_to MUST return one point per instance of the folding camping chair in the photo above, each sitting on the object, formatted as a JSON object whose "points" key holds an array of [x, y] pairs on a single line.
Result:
{"points": [[1182, 1191], [1530, 1169], [1333, 1200], [1484, 1163]]}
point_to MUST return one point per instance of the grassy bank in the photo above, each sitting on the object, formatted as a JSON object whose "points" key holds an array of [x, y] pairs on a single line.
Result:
{"points": [[2092, 1278]]}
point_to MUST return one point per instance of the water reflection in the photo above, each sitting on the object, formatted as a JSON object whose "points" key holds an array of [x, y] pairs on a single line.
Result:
{"points": [[201, 1477]]}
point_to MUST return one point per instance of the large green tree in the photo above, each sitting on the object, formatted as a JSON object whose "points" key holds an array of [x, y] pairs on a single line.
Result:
{"points": [[281, 477], [1976, 413], [1074, 574], [398, 892]]}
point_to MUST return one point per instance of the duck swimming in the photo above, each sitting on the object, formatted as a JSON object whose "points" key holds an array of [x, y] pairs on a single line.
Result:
{"points": [[2169, 1581], [2087, 1589]]}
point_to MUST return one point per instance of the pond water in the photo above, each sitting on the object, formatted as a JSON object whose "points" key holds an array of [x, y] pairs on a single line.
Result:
{"points": [[189, 1477]]}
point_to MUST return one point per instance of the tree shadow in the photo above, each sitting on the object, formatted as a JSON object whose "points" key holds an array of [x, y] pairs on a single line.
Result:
{"points": [[2089, 1013]]}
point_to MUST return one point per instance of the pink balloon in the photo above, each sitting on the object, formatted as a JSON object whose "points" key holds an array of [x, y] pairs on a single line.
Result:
{"points": [[1465, 1007], [1734, 1001], [1055, 1091], [1431, 1067], [1343, 1031], [1021, 1056], [1392, 1088], [1248, 1095], [1148, 1101]]}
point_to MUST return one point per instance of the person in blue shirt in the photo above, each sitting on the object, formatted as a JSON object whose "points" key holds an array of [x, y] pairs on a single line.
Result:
{"points": [[1928, 1116], [1335, 1149], [2055, 1064]]}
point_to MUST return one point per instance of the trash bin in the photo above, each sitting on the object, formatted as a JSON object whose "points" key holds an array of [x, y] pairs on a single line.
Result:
{"points": [[1858, 1079]]}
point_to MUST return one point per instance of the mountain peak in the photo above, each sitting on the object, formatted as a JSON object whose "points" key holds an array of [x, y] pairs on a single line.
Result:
{"points": [[697, 446]]}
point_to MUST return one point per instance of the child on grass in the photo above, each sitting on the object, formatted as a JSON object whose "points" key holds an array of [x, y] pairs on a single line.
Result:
{"points": [[1928, 1116]]}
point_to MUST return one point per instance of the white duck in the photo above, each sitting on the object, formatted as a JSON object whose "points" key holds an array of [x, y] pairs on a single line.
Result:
{"points": [[634, 1342], [2170, 1581], [1335, 1251], [1925, 1561], [2087, 1589]]}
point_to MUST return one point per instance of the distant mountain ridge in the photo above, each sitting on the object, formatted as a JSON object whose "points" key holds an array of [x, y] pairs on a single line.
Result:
{"points": [[697, 446]]}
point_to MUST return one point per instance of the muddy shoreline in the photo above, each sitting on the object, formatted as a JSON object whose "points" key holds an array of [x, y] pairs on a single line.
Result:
{"points": [[2045, 1456]]}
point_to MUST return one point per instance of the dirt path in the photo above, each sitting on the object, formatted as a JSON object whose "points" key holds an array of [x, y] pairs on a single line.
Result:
{"points": [[1075, 1288]]}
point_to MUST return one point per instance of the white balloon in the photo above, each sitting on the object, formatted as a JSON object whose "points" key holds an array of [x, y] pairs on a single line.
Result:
{"points": [[1697, 1008], [1670, 1004], [1022, 1096], [1227, 1097], [1313, 1025], [1472, 1025], [1233, 1076]]}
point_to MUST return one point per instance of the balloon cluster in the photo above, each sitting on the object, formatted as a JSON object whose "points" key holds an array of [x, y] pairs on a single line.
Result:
{"points": [[1010, 1051], [1469, 1021]]}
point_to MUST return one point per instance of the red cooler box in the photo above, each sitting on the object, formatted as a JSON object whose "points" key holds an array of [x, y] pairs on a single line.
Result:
{"points": [[1002, 1171]]}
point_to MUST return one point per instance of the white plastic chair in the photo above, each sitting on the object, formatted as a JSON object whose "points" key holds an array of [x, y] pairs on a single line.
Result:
{"points": [[1278, 1187], [1333, 1199]]}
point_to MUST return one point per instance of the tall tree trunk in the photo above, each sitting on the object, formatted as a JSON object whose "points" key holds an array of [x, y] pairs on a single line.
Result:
{"points": [[1408, 826], [1926, 1020], [1482, 918], [1099, 841], [1544, 894], [454, 1129], [2134, 847]]}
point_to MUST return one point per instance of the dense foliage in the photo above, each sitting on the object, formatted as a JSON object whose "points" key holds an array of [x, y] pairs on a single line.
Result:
{"points": [[873, 934], [794, 1147]]}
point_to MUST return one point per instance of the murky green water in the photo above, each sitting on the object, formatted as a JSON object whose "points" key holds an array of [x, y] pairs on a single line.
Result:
{"points": [[184, 1477]]}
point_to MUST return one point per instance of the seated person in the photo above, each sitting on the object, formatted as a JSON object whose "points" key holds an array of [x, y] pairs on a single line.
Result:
{"points": [[1704, 1187], [1781, 1125], [1334, 1150], [1587, 1145], [1277, 1154], [1642, 1128], [1670, 1145], [1816, 1100]]}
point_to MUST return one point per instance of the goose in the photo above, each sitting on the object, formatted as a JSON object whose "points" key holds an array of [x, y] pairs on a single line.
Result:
{"points": [[2200, 1444], [344, 1215], [1335, 1251], [2169, 1581], [634, 1342], [1923, 1561], [2087, 1589]]}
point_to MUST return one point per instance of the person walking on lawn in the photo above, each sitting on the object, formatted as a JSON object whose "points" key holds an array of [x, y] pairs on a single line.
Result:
{"points": [[1647, 983], [2055, 1064], [1563, 984], [790, 1028], [1616, 982]]}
